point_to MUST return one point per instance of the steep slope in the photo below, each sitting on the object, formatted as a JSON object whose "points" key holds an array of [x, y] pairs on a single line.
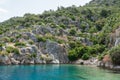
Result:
{"points": [[60, 36]]}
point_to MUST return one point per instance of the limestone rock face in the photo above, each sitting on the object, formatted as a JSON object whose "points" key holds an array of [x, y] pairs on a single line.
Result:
{"points": [[35, 52], [43, 30], [30, 49], [117, 32], [43, 53], [117, 42], [112, 39], [13, 61], [30, 36], [87, 42], [58, 51], [115, 38], [4, 60]]}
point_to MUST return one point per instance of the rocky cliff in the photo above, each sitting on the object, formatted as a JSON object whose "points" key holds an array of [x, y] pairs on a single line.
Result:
{"points": [[33, 50], [107, 62], [66, 35]]}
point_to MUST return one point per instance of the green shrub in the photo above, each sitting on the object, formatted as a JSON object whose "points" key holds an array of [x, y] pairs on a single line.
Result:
{"points": [[33, 55], [40, 39], [30, 42], [93, 30], [6, 39], [74, 44], [115, 55], [16, 51], [100, 57], [18, 36], [82, 50], [62, 26], [10, 49], [20, 44], [79, 52], [105, 13], [60, 41], [72, 55], [11, 39], [72, 32], [86, 56]]}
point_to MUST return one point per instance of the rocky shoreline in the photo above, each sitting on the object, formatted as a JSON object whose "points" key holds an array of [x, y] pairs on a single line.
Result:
{"points": [[90, 62], [108, 65]]}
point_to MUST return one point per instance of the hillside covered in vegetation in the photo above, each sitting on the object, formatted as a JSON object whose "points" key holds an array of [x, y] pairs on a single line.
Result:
{"points": [[64, 35]]}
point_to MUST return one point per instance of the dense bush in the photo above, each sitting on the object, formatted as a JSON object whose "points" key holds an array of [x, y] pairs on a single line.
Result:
{"points": [[12, 39], [105, 13], [79, 52], [72, 32], [72, 55], [16, 51], [74, 44], [10, 49], [86, 56], [41, 39], [115, 55]]}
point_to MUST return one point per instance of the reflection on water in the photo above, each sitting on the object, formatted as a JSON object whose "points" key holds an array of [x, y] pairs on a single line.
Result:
{"points": [[56, 72]]}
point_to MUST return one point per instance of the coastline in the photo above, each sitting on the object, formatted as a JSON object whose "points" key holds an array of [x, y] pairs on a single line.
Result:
{"points": [[94, 62]]}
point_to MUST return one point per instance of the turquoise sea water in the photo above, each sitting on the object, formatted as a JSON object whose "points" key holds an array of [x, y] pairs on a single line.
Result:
{"points": [[55, 72]]}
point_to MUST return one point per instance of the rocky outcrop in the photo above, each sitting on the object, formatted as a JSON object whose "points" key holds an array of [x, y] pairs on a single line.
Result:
{"points": [[13, 61], [43, 30], [4, 60], [59, 52], [91, 61], [41, 53], [117, 37], [29, 35], [107, 63]]}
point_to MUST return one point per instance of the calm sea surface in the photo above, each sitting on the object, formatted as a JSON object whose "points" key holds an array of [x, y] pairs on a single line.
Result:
{"points": [[56, 72]]}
